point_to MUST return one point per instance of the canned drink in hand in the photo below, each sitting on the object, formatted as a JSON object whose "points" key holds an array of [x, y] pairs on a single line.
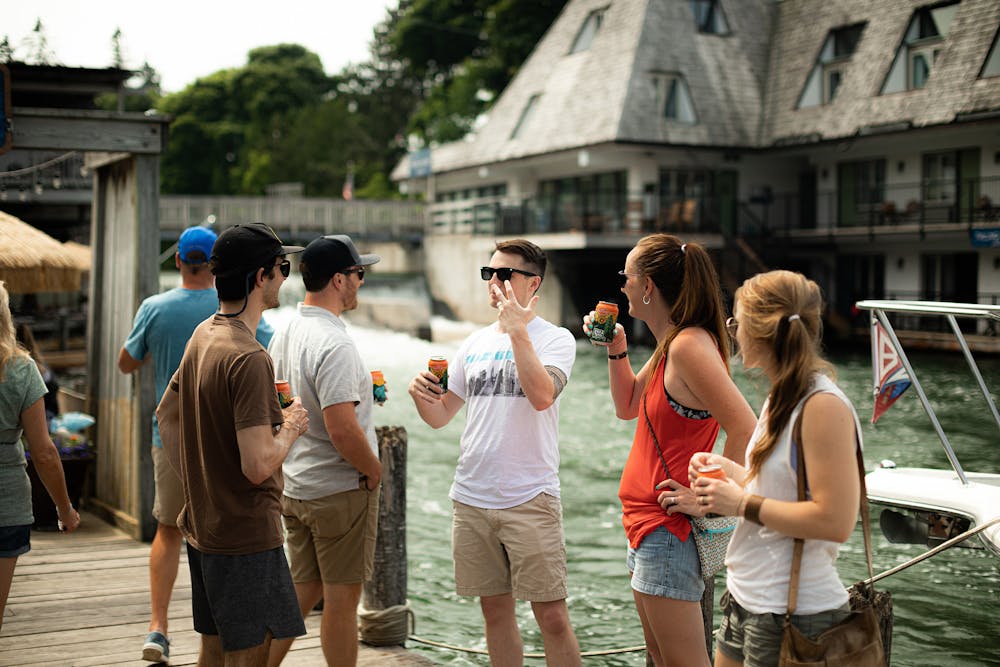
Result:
{"points": [[713, 470], [284, 393], [439, 367], [378, 388], [603, 325]]}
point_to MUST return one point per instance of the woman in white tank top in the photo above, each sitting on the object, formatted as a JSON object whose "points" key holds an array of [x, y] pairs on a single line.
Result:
{"points": [[777, 326]]}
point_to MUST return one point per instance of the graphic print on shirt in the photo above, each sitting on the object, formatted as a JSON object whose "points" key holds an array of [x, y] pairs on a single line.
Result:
{"points": [[494, 379]]}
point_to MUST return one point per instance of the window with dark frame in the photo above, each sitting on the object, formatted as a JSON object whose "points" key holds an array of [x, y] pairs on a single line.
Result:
{"points": [[828, 73], [709, 17], [588, 31], [920, 47]]}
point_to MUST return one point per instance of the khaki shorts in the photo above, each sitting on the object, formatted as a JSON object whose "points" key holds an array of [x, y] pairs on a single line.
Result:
{"points": [[168, 493], [519, 550], [332, 539]]}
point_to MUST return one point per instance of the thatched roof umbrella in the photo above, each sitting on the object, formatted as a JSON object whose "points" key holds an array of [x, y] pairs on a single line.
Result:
{"points": [[81, 255], [32, 261]]}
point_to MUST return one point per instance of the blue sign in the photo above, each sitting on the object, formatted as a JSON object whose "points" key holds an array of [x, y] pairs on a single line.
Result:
{"points": [[985, 238], [420, 163]]}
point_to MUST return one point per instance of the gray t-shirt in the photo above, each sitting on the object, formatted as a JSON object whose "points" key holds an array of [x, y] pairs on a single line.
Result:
{"points": [[322, 365], [21, 386]]}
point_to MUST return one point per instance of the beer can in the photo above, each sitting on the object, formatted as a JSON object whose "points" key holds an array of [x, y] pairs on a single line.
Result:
{"points": [[439, 366], [378, 388], [284, 393], [713, 470], [603, 325]]}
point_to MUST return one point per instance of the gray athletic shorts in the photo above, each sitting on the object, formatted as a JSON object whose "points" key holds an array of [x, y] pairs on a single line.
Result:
{"points": [[242, 598]]}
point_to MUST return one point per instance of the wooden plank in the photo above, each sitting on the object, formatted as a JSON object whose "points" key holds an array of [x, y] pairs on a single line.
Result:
{"points": [[82, 600], [64, 130]]}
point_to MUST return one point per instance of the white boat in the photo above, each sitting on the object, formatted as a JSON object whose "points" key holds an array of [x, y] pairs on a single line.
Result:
{"points": [[924, 505]]}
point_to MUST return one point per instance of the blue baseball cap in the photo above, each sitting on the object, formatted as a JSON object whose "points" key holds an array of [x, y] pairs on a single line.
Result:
{"points": [[196, 240]]}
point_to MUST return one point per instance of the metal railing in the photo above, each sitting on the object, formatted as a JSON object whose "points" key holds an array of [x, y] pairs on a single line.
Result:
{"points": [[930, 203], [298, 217]]}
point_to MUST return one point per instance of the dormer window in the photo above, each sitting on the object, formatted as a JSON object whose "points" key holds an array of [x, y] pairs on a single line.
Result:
{"points": [[526, 114], [674, 98], [831, 64], [922, 43], [992, 65], [709, 18], [591, 26]]}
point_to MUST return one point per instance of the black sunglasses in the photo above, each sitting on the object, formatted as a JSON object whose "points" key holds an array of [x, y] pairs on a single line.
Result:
{"points": [[285, 267], [359, 271], [503, 273]]}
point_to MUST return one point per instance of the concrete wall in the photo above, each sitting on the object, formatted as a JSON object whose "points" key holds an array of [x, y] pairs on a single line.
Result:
{"points": [[452, 270]]}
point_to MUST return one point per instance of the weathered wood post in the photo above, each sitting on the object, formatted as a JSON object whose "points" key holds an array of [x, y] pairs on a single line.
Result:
{"points": [[384, 619]]}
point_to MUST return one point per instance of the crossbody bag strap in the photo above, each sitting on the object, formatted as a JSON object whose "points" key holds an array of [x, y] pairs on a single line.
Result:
{"points": [[793, 582], [655, 440]]}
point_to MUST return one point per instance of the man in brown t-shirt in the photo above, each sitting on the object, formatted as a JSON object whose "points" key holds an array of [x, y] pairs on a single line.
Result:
{"points": [[227, 436]]}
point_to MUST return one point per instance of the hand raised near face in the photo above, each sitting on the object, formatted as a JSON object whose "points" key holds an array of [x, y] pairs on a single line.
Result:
{"points": [[510, 313]]}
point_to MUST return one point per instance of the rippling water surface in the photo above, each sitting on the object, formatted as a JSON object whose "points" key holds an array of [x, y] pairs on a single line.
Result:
{"points": [[946, 609]]}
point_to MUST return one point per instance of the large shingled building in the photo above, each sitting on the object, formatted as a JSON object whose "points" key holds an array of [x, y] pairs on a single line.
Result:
{"points": [[857, 141]]}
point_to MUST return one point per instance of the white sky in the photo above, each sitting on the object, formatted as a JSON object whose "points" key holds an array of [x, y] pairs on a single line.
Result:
{"points": [[187, 39]]}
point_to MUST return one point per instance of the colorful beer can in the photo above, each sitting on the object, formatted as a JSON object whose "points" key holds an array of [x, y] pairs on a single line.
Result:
{"points": [[603, 325], [713, 470], [378, 388], [439, 366], [284, 393]]}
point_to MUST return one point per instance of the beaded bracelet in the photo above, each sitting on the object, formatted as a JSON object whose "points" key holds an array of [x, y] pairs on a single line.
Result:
{"points": [[618, 356]]}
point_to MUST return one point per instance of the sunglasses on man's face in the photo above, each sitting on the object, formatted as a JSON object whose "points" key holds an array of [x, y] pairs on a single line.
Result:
{"points": [[359, 271], [503, 273], [285, 267]]}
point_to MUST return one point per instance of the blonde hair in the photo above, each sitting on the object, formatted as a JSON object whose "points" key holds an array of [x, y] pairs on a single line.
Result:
{"points": [[781, 311], [686, 279], [9, 348]]}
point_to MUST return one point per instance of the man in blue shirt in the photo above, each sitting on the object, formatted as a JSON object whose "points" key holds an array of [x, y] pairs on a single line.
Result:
{"points": [[163, 324]]}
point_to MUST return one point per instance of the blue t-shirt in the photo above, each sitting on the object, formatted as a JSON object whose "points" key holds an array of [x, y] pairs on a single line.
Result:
{"points": [[164, 324]]}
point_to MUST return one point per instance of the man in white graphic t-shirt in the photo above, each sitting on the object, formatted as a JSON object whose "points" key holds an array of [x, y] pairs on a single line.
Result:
{"points": [[507, 537]]}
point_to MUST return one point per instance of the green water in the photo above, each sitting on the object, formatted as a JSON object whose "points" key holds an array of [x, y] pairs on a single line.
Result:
{"points": [[945, 608]]}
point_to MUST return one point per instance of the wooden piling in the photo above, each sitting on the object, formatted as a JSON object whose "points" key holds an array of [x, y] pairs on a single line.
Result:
{"points": [[386, 592]]}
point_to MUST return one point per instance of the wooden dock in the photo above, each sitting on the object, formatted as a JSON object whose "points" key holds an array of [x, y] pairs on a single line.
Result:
{"points": [[82, 600]]}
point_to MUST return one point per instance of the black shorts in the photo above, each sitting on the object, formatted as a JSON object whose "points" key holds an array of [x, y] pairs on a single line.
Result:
{"points": [[242, 598]]}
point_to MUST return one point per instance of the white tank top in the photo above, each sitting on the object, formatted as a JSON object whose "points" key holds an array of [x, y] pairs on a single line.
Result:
{"points": [[759, 560]]}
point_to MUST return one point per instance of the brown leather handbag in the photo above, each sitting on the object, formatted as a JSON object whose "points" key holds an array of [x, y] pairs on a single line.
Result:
{"points": [[862, 639]]}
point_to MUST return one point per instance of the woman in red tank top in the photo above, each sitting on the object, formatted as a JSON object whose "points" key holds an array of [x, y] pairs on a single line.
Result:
{"points": [[684, 394]]}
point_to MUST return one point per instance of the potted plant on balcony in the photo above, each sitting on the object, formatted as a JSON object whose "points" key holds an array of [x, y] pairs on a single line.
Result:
{"points": [[76, 451]]}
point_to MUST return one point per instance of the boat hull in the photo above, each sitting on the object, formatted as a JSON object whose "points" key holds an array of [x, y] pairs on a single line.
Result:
{"points": [[939, 498]]}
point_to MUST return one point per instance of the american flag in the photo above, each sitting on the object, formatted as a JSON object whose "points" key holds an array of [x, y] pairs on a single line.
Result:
{"points": [[348, 192]]}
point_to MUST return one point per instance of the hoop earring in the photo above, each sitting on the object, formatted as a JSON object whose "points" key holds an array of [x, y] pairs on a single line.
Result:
{"points": [[645, 299]]}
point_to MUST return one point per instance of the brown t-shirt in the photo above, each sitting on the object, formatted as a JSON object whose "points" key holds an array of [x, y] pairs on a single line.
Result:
{"points": [[225, 383]]}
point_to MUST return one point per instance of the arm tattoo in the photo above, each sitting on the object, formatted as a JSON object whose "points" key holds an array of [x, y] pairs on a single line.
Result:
{"points": [[558, 380]]}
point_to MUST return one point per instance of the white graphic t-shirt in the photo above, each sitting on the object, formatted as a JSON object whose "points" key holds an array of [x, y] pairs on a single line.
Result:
{"points": [[509, 451]]}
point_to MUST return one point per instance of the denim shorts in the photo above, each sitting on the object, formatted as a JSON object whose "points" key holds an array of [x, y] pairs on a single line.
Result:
{"points": [[755, 639], [14, 541], [665, 566]]}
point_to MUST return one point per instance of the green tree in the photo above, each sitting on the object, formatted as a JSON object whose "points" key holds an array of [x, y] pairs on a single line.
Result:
{"points": [[229, 125], [464, 52]]}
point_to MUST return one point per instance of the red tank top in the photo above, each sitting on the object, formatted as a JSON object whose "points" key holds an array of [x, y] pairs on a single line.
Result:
{"points": [[680, 437]]}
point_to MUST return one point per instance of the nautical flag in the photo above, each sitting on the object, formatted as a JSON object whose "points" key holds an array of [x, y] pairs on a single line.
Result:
{"points": [[891, 379], [348, 192]]}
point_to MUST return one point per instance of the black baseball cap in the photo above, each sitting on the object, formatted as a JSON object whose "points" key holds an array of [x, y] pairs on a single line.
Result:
{"points": [[245, 248], [331, 254]]}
